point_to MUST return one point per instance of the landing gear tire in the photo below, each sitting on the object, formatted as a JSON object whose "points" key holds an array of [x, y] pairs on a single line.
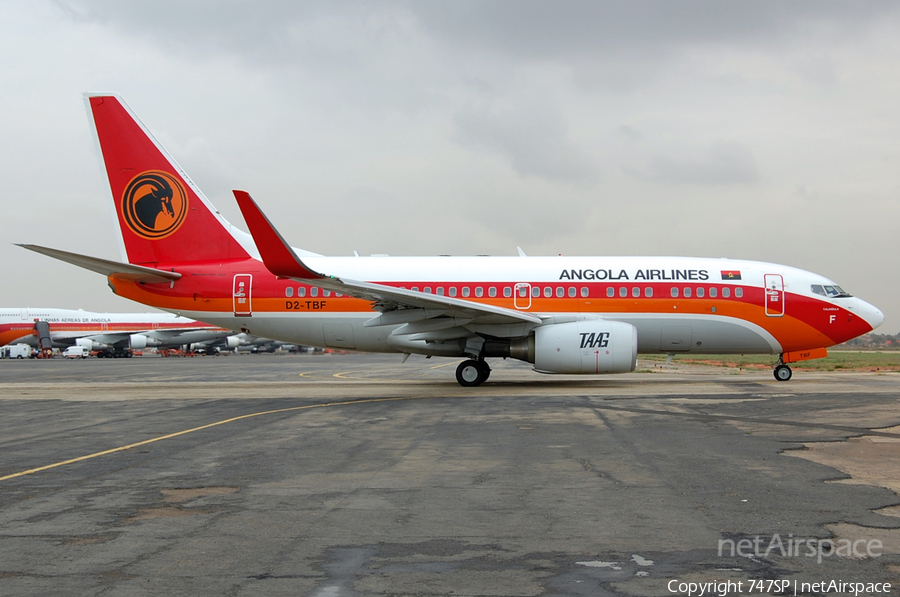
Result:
{"points": [[472, 373], [485, 370], [783, 373]]}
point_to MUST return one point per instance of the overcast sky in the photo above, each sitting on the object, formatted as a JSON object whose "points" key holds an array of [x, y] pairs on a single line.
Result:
{"points": [[757, 130]]}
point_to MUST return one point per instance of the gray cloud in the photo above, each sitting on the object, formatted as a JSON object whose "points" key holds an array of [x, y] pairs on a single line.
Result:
{"points": [[721, 163], [410, 127], [276, 30], [533, 138]]}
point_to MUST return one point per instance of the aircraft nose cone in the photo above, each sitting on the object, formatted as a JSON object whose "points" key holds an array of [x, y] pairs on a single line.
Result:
{"points": [[871, 314]]}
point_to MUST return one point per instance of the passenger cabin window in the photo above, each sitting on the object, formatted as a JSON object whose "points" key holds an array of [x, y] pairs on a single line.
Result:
{"points": [[479, 291], [548, 292], [674, 292], [535, 291], [465, 291], [636, 292], [738, 292], [610, 292], [726, 292], [507, 291], [452, 291], [648, 292], [572, 291], [289, 291], [623, 292], [585, 292], [313, 291], [492, 292], [427, 289], [713, 292], [701, 292], [326, 293], [687, 293]]}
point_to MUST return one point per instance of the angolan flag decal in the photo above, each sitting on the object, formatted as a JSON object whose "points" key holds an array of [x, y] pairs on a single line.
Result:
{"points": [[731, 274]]}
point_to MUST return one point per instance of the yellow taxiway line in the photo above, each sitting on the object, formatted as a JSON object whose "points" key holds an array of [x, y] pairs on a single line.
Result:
{"points": [[202, 427]]}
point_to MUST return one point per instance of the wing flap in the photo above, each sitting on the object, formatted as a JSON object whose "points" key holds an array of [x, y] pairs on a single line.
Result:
{"points": [[399, 316]]}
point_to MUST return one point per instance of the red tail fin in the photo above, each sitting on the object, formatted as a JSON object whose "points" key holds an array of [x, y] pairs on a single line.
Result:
{"points": [[162, 215]]}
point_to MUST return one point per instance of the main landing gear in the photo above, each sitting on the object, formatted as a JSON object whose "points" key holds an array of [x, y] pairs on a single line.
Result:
{"points": [[472, 373]]}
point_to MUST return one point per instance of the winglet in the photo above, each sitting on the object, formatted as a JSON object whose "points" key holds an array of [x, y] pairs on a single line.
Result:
{"points": [[277, 255]]}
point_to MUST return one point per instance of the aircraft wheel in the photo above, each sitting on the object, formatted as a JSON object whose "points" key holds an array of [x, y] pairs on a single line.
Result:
{"points": [[471, 373], [485, 370], [783, 373]]}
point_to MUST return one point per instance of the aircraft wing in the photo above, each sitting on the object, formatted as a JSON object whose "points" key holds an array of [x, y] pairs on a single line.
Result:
{"points": [[69, 337], [397, 305], [159, 338], [173, 336], [108, 268]]}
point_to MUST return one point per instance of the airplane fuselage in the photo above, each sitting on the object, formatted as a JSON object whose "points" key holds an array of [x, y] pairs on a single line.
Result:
{"points": [[677, 304]]}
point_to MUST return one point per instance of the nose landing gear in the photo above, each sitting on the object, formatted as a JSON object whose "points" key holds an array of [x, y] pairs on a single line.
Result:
{"points": [[782, 372], [472, 373]]}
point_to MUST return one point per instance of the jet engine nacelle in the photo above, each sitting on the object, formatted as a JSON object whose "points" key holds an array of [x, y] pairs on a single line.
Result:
{"points": [[88, 343], [233, 341], [137, 341], [590, 346]]}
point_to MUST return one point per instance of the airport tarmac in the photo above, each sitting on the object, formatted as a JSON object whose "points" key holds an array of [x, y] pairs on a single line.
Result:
{"points": [[339, 475]]}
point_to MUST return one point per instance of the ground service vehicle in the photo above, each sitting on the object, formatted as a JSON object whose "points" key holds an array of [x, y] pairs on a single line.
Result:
{"points": [[76, 352], [15, 351]]}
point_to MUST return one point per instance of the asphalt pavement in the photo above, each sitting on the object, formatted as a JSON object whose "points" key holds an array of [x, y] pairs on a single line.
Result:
{"points": [[339, 475]]}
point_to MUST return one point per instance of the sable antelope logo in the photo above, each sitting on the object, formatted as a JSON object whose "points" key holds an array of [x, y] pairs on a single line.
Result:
{"points": [[154, 204]]}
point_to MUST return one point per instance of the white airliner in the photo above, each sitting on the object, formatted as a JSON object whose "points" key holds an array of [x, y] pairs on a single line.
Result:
{"points": [[586, 315], [111, 334]]}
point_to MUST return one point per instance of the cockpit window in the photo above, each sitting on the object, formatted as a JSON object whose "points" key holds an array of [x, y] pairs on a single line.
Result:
{"points": [[829, 291]]}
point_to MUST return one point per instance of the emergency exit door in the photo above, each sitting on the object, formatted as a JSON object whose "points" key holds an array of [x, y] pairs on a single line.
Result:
{"points": [[242, 295], [522, 295], [774, 295]]}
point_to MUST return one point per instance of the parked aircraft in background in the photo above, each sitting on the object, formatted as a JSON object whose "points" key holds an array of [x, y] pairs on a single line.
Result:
{"points": [[111, 334], [249, 342], [563, 314]]}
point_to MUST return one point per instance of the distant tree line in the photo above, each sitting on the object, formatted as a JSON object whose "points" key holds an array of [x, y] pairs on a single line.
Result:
{"points": [[881, 341]]}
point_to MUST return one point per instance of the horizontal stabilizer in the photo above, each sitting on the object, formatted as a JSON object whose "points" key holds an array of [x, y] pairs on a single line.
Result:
{"points": [[108, 268]]}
